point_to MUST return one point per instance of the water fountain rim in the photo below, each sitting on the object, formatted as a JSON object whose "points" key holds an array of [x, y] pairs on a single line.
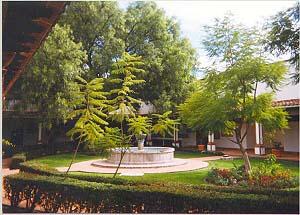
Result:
{"points": [[155, 150]]}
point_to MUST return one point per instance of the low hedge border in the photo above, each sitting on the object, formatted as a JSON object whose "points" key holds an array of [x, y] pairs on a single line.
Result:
{"points": [[69, 195], [16, 160], [42, 169]]}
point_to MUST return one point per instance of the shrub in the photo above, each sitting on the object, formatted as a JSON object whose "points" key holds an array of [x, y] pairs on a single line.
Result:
{"points": [[8, 148], [271, 174], [38, 168], [268, 174], [225, 177], [56, 194], [213, 153], [43, 169], [17, 159]]}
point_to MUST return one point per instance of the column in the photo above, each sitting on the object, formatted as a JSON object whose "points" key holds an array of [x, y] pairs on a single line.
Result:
{"points": [[176, 142], [176, 138], [40, 133], [259, 148], [149, 138], [211, 146]]}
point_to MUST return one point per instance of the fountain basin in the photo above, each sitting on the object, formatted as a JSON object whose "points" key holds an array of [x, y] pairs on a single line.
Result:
{"points": [[149, 157]]}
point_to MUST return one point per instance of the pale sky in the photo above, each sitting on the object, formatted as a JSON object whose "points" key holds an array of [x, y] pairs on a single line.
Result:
{"points": [[193, 15]]}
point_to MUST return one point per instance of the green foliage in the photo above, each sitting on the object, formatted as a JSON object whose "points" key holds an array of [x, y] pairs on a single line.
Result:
{"points": [[116, 138], [164, 124], [8, 148], [124, 78], [227, 100], [229, 42], [271, 174], [47, 81], [53, 193], [106, 32], [17, 159], [38, 168], [226, 177], [99, 27], [139, 125], [283, 36], [266, 175], [88, 105]]}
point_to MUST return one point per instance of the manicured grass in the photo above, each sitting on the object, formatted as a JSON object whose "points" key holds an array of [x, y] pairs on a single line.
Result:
{"points": [[61, 160], [184, 155], [189, 177]]}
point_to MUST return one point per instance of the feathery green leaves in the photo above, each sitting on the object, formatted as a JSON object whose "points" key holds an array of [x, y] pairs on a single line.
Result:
{"points": [[88, 105]]}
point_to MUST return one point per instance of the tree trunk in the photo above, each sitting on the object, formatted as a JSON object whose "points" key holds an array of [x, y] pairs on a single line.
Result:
{"points": [[122, 155], [239, 141], [245, 158], [73, 158]]}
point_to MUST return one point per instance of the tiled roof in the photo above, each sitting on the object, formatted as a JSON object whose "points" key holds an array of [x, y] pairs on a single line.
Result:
{"points": [[287, 103]]}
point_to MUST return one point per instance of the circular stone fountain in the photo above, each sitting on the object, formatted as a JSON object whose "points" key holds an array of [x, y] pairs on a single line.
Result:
{"points": [[148, 157]]}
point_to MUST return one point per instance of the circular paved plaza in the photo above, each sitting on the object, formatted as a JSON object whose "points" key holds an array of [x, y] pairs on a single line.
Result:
{"points": [[88, 166]]}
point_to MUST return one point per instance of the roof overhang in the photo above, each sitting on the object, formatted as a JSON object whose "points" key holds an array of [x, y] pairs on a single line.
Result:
{"points": [[25, 25]]}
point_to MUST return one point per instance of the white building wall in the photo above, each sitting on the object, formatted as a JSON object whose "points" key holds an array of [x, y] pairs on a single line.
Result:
{"points": [[224, 142], [291, 137]]}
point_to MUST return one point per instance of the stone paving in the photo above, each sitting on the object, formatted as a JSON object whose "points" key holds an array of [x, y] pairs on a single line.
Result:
{"points": [[191, 164], [7, 171]]}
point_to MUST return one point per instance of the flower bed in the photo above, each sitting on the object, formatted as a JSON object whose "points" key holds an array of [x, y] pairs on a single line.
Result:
{"points": [[268, 174]]}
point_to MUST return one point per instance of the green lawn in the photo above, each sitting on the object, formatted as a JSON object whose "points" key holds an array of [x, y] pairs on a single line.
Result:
{"points": [[189, 177], [184, 155], [61, 160]]}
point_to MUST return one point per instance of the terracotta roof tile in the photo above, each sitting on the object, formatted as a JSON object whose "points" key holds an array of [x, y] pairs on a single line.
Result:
{"points": [[287, 103]]}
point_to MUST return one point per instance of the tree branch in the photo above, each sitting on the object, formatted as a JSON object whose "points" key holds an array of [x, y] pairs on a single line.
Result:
{"points": [[232, 140]]}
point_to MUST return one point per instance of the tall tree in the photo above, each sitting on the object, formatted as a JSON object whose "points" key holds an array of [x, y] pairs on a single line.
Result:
{"points": [[89, 105], [125, 78], [98, 26], [169, 59], [283, 37], [228, 100], [142, 29], [227, 42], [47, 82]]}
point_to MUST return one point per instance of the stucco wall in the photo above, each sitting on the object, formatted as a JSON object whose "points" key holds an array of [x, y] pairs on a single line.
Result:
{"points": [[291, 137], [190, 140], [224, 142], [251, 137]]}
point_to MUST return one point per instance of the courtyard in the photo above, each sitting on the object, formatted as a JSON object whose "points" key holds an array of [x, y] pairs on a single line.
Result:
{"points": [[123, 107]]}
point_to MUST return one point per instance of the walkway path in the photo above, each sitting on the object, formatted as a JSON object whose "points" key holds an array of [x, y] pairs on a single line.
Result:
{"points": [[292, 156], [8, 171]]}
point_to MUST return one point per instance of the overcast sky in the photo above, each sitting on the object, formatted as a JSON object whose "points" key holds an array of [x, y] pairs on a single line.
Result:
{"points": [[193, 15]]}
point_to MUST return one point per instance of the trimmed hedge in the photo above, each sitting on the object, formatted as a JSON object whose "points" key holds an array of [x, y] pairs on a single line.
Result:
{"points": [[68, 195], [17, 159], [42, 169]]}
